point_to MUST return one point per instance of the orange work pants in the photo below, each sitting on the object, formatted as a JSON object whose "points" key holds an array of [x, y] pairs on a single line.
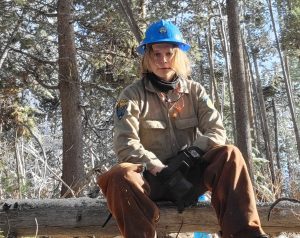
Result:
{"points": [[130, 196]]}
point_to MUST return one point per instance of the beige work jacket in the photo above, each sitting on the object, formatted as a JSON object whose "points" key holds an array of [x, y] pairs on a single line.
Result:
{"points": [[145, 131]]}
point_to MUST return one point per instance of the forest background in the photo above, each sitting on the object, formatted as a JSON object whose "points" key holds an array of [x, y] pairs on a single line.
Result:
{"points": [[63, 64]]}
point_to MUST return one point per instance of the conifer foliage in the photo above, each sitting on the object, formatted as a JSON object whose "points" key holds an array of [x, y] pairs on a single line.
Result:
{"points": [[63, 64]]}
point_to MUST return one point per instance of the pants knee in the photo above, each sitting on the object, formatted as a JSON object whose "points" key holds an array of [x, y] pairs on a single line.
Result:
{"points": [[124, 171], [231, 154], [115, 176]]}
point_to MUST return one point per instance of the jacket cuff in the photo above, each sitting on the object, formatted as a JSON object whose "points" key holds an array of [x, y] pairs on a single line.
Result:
{"points": [[205, 143]]}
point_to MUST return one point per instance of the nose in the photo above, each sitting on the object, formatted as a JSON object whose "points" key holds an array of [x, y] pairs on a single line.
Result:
{"points": [[164, 59]]}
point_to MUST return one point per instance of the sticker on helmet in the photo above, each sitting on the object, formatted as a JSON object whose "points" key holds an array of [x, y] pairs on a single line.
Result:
{"points": [[162, 30], [179, 37], [121, 108]]}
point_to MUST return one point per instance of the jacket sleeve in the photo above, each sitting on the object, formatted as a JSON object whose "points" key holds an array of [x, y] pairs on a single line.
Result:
{"points": [[126, 141], [212, 131]]}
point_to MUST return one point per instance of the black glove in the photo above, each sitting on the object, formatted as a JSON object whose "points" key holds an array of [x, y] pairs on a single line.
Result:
{"points": [[181, 190]]}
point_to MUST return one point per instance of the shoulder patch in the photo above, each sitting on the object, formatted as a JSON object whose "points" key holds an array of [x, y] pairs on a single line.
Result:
{"points": [[121, 108]]}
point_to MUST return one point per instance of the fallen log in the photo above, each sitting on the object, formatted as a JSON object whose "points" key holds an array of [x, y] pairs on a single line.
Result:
{"points": [[85, 216]]}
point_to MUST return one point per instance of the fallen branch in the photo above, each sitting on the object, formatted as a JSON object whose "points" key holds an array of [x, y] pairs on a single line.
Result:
{"points": [[280, 200]]}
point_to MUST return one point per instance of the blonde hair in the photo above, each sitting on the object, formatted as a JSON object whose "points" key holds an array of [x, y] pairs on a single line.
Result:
{"points": [[180, 63]]}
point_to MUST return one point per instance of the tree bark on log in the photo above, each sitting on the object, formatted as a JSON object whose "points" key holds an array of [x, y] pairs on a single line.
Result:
{"points": [[83, 217]]}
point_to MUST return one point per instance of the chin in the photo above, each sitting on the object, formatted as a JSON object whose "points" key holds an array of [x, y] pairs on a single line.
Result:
{"points": [[167, 78]]}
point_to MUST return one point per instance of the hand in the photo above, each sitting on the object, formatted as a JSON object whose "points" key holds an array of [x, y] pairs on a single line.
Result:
{"points": [[157, 169]]}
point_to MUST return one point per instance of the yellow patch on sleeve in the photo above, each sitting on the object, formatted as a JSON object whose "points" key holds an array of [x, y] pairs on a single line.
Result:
{"points": [[121, 108]]}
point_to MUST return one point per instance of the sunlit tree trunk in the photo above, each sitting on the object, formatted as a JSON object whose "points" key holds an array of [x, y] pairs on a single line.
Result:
{"points": [[249, 94], [225, 46], [213, 84], [263, 117], [201, 65], [3, 55], [143, 14], [239, 84], [255, 103], [276, 134], [19, 168], [10, 41], [69, 88], [125, 8]]}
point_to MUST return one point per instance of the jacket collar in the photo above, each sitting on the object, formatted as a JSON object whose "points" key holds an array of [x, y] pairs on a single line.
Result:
{"points": [[183, 85]]}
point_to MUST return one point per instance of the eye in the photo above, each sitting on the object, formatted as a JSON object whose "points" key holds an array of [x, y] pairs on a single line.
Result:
{"points": [[157, 54], [169, 54]]}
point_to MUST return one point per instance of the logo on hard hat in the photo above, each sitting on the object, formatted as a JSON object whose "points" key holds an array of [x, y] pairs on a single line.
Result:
{"points": [[178, 37], [162, 30]]}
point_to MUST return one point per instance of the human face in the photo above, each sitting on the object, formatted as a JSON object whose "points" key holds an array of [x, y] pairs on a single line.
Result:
{"points": [[161, 58]]}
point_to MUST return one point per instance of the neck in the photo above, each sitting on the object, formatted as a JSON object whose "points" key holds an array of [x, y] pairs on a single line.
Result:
{"points": [[161, 84]]}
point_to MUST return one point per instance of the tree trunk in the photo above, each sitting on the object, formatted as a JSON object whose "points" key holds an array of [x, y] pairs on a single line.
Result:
{"points": [[18, 172], [84, 217], [263, 117], [5, 50], [213, 84], [225, 46], [254, 100], [239, 85], [126, 10], [69, 88], [276, 134], [143, 14], [249, 93], [201, 64]]}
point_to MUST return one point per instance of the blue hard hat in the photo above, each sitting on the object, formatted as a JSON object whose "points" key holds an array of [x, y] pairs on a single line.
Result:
{"points": [[163, 32]]}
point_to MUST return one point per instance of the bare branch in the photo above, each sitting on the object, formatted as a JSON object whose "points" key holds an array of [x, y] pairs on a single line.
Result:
{"points": [[37, 78], [34, 57], [280, 200], [45, 159]]}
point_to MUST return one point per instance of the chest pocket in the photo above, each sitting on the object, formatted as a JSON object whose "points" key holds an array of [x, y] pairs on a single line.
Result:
{"points": [[153, 135], [186, 131], [186, 123], [154, 124]]}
